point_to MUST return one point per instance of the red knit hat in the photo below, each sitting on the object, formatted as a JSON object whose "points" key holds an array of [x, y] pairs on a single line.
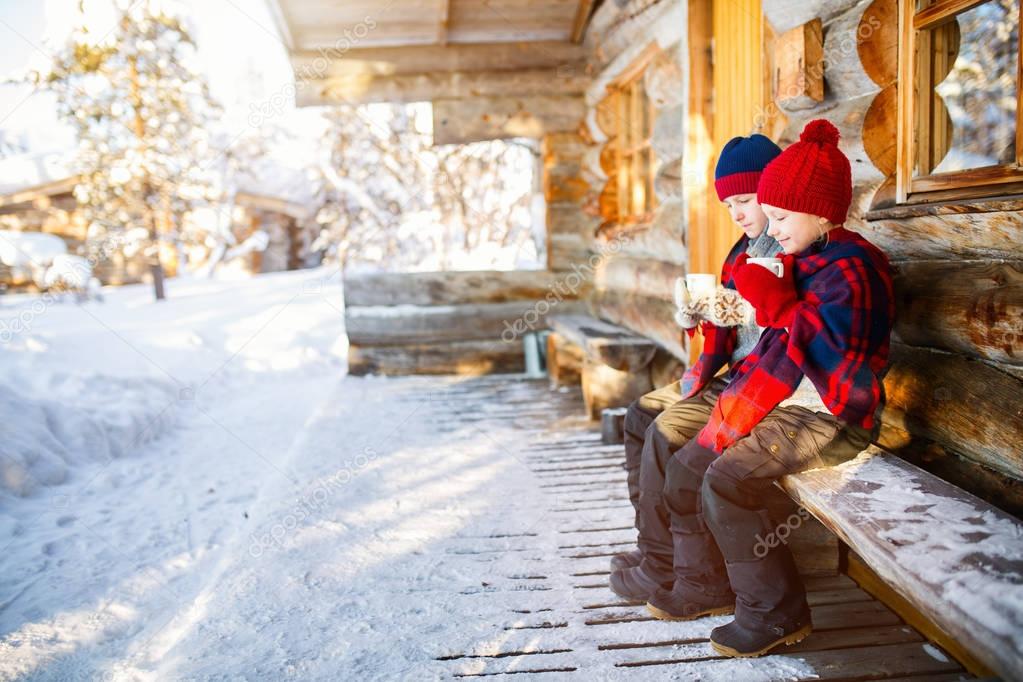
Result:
{"points": [[810, 176]]}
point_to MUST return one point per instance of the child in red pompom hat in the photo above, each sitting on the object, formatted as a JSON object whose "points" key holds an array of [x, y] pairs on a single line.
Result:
{"points": [[805, 397]]}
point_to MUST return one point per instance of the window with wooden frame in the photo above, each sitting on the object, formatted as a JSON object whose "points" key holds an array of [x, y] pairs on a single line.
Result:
{"points": [[634, 163], [960, 132]]}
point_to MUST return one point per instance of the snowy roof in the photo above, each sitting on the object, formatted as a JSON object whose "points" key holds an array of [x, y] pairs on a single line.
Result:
{"points": [[272, 179], [22, 249], [36, 170], [26, 171]]}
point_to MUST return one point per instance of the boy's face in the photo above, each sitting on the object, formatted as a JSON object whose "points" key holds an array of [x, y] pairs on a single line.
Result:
{"points": [[746, 213], [794, 231]]}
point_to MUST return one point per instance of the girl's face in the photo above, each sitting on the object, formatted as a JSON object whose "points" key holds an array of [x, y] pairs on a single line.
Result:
{"points": [[746, 213], [795, 231]]}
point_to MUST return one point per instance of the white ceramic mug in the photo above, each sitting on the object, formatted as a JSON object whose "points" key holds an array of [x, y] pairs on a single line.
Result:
{"points": [[773, 264], [701, 285]]}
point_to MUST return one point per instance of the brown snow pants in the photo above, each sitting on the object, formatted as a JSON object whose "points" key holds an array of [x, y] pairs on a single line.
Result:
{"points": [[701, 516]]}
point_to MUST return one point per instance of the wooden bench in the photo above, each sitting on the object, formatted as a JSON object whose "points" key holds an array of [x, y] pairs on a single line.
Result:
{"points": [[947, 562], [611, 362], [947, 555]]}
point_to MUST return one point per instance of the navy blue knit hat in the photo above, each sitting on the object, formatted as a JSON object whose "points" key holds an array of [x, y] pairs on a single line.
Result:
{"points": [[740, 163]]}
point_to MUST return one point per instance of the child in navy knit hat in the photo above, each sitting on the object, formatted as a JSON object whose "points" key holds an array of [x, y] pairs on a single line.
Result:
{"points": [[738, 171]]}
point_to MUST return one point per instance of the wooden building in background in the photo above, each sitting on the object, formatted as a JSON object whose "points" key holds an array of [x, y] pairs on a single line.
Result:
{"points": [[37, 195]]}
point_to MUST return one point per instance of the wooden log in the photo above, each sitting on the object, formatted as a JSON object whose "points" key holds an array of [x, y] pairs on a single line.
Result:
{"points": [[607, 116], [663, 239], [635, 25], [457, 121], [877, 41], [364, 88], [592, 170], [652, 278], [649, 317], [561, 186], [607, 202], [665, 368], [799, 67], [667, 138], [452, 288], [946, 232], [416, 59], [951, 555], [566, 147], [567, 251], [880, 130], [668, 181], [843, 70], [663, 80], [400, 325], [787, 14], [569, 218], [460, 357], [964, 405], [605, 343], [605, 387], [974, 308], [589, 129], [564, 361], [847, 115]]}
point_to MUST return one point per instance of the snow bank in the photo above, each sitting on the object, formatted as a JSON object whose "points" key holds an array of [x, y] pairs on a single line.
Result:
{"points": [[43, 439], [97, 381]]}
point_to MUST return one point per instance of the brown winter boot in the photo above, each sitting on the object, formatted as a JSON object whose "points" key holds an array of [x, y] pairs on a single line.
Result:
{"points": [[626, 560], [633, 584]]}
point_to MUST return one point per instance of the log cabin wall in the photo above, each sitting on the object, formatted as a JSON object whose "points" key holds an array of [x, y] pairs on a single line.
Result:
{"points": [[633, 167], [451, 322], [955, 388]]}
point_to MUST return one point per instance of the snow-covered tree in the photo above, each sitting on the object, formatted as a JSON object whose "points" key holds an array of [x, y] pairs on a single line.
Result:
{"points": [[142, 113], [388, 196]]}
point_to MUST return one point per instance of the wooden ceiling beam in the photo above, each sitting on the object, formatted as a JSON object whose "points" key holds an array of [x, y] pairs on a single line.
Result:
{"points": [[429, 86], [391, 61], [442, 23], [330, 36], [582, 18]]}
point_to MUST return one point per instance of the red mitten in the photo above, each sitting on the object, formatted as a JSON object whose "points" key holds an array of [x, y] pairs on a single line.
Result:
{"points": [[773, 297], [704, 326]]}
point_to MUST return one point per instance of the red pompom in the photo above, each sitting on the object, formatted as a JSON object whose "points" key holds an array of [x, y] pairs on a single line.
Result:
{"points": [[820, 131]]}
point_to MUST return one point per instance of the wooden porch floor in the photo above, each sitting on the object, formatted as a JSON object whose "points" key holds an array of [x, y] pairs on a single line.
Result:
{"points": [[564, 623]]}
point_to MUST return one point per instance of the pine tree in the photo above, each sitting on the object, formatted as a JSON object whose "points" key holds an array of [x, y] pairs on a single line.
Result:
{"points": [[142, 114]]}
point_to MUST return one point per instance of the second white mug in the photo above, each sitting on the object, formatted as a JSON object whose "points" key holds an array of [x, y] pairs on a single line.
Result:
{"points": [[773, 264]]}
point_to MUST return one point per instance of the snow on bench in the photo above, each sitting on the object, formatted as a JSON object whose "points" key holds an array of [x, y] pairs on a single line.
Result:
{"points": [[954, 557]]}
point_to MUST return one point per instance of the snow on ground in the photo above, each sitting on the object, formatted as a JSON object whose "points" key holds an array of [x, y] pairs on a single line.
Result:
{"points": [[134, 435], [197, 493]]}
